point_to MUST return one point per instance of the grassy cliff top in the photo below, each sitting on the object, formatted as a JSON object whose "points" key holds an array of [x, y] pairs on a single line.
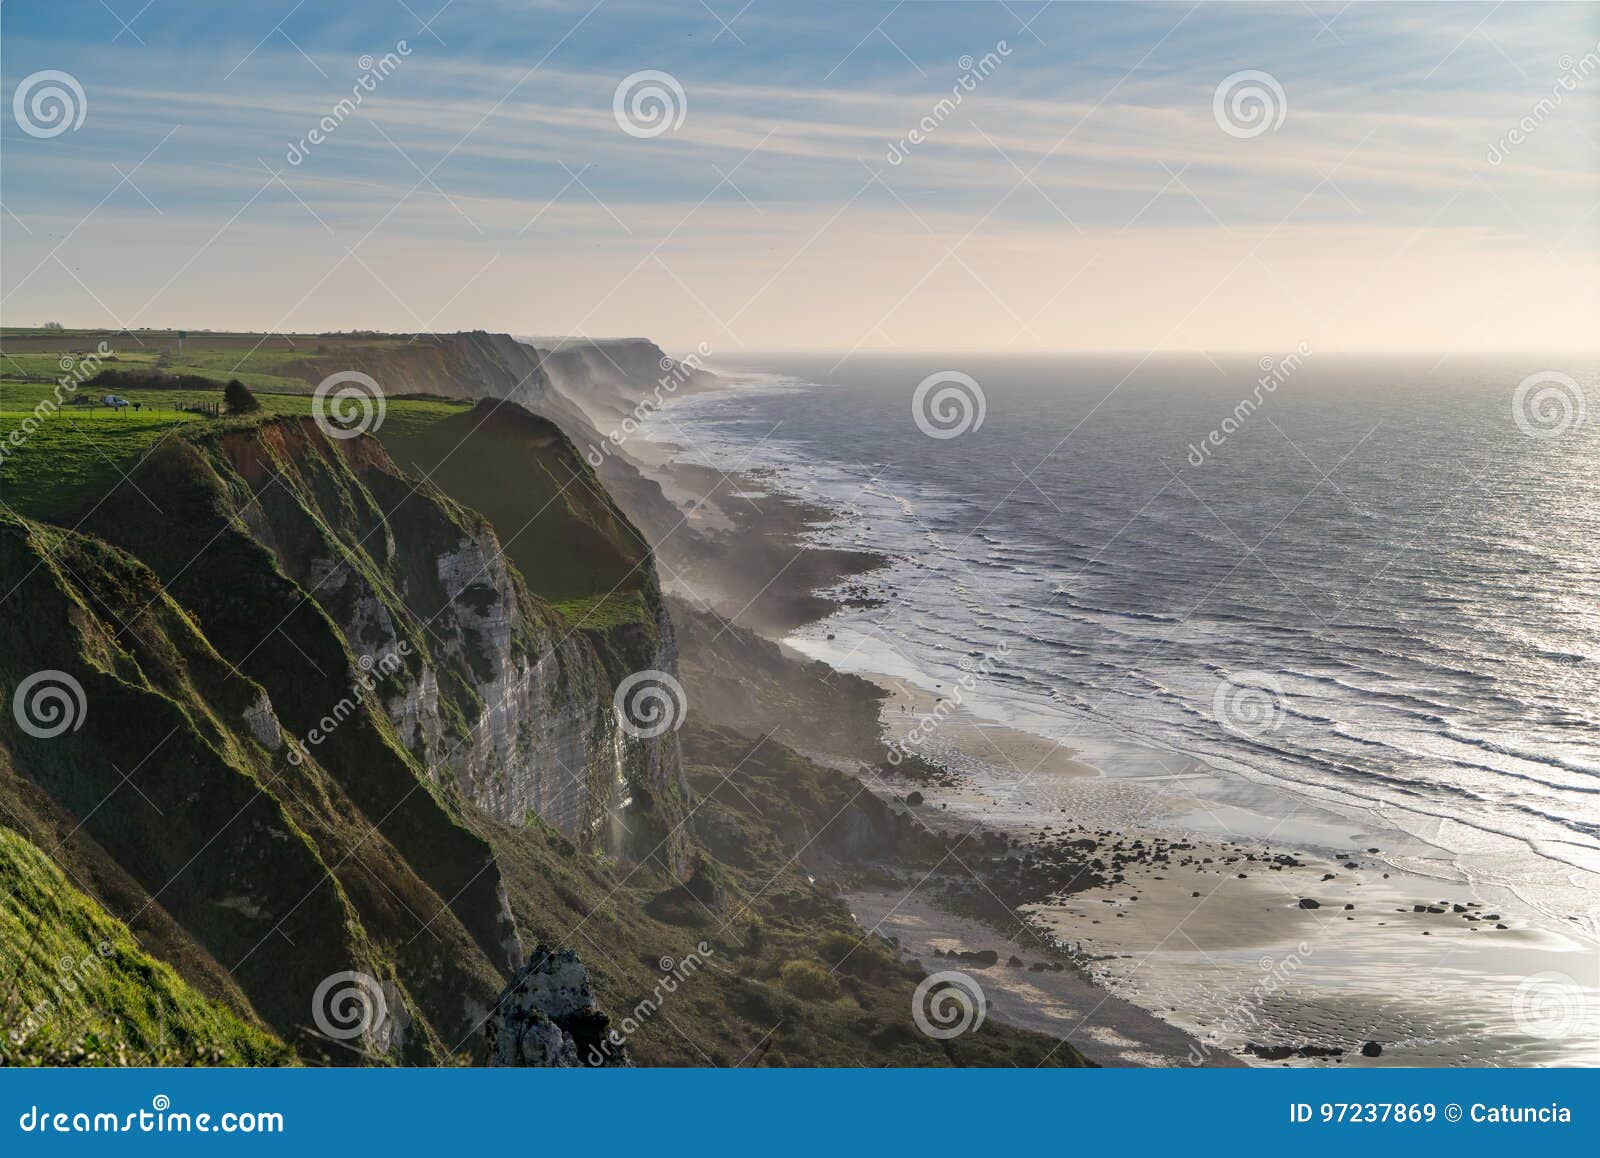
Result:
{"points": [[54, 460], [260, 361], [555, 521], [516, 469]]}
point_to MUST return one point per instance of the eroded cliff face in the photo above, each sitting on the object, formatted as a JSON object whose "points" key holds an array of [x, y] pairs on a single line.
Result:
{"points": [[328, 676], [491, 691], [495, 694], [169, 790], [555, 525], [322, 676], [537, 734], [474, 364]]}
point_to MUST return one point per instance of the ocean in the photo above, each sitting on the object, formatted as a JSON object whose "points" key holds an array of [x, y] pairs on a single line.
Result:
{"points": [[1334, 597]]}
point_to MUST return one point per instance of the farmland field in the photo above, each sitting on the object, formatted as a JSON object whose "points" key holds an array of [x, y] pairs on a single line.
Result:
{"points": [[260, 361]]}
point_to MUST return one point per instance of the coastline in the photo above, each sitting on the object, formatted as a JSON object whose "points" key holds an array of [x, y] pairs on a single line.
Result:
{"points": [[749, 553], [1249, 950]]}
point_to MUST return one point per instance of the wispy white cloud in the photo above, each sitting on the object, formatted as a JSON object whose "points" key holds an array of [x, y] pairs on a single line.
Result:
{"points": [[777, 186]]}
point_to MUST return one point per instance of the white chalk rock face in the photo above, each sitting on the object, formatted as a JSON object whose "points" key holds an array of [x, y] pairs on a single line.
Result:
{"points": [[496, 698], [536, 740]]}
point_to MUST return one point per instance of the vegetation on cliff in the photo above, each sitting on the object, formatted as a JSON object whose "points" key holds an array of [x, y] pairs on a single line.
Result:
{"points": [[76, 989]]}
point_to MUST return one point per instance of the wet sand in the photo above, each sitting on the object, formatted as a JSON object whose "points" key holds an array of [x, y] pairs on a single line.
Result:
{"points": [[1059, 1003], [1239, 943], [910, 710]]}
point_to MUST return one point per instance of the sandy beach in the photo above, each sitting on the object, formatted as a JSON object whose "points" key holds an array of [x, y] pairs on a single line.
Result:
{"points": [[1247, 947]]}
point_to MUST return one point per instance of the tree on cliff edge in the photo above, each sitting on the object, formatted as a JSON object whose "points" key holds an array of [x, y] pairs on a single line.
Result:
{"points": [[239, 398]]}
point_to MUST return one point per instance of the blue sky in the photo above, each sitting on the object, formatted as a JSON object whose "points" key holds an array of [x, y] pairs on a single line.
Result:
{"points": [[1082, 194]]}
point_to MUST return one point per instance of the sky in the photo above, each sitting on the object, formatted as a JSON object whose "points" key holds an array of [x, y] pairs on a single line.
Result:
{"points": [[1412, 177]]}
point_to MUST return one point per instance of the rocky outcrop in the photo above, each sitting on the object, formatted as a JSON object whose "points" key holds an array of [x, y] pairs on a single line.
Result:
{"points": [[548, 1016], [537, 737]]}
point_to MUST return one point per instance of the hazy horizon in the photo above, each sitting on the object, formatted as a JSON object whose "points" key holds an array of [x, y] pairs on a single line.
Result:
{"points": [[1391, 178], [740, 355]]}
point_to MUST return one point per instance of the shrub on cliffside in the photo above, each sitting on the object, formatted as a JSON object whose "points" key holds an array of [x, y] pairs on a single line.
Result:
{"points": [[854, 955], [809, 980]]}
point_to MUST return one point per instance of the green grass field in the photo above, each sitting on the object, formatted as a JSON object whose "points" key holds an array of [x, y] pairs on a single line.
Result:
{"points": [[63, 461], [72, 456]]}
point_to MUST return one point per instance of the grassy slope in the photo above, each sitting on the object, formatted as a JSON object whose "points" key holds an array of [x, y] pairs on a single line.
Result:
{"points": [[75, 988], [555, 523], [160, 702], [425, 882], [237, 842]]}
